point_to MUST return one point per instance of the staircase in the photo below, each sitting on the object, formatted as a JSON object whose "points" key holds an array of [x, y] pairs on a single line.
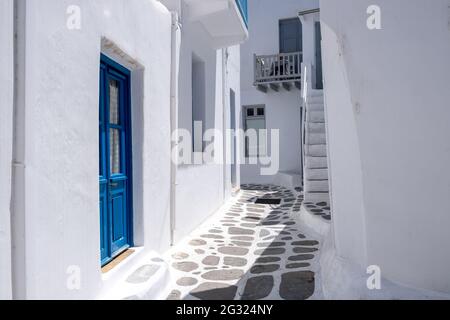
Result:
{"points": [[316, 187]]}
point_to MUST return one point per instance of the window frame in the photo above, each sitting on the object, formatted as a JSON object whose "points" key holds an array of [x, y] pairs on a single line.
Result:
{"points": [[254, 117]]}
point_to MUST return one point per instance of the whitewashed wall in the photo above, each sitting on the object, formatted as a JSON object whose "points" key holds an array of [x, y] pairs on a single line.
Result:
{"points": [[61, 96], [6, 132], [202, 189], [233, 82], [282, 108], [387, 94]]}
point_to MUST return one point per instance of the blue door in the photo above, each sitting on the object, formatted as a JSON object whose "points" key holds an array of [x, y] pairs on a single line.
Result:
{"points": [[291, 35], [319, 73], [115, 160]]}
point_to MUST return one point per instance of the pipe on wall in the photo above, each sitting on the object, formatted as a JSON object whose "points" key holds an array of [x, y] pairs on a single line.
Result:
{"points": [[18, 241], [175, 63]]}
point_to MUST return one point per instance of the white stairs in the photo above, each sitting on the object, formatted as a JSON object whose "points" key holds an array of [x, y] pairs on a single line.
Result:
{"points": [[316, 187]]}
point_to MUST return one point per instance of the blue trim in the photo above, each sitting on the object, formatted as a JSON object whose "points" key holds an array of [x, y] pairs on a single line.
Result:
{"points": [[243, 8], [116, 194]]}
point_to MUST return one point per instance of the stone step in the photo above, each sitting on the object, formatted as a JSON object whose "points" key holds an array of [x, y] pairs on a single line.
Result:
{"points": [[316, 138], [316, 150], [315, 127], [316, 186], [317, 106], [316, 174], [315, 116], [317, 197], [316, 95], [316, 162]]}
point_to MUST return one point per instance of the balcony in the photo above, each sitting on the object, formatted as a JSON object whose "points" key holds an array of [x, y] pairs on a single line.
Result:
{"points": [[225, 20], [278, 71]]}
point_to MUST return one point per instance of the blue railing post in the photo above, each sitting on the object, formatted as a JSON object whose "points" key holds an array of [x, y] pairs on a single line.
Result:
{"points": [[243, 8]]}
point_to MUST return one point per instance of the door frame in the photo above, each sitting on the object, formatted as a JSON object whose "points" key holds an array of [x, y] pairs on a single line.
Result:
{"points": [[125, 112], [234, 142]]}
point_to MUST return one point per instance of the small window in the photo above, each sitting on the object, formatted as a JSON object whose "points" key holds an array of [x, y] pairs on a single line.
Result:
{"points": [[261, 112], [255, 126], [198, 103]]}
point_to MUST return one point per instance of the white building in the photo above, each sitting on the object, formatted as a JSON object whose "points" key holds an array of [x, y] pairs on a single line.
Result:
{"points": [[357, 91], [373, 141], [145, 54], [271, 82], [386, 96]]}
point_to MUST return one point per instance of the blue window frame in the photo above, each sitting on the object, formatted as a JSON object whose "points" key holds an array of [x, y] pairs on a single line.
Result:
{"points": [[243, 8], [115, 171]]}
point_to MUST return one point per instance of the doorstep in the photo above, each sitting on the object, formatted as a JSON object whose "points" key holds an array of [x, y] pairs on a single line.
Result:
{"points": [[145, 277]]}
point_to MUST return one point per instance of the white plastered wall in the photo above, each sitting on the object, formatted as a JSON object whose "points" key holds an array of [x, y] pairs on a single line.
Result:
{"points": [[387, 109], [6, 138], [202, 189], [61, 96]]}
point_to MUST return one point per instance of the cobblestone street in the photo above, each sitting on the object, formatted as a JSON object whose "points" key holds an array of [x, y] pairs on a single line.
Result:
{"points": [[248, 251]]}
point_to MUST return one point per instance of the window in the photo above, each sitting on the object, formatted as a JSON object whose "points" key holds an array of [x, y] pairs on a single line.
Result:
{"points": [[255, 129], [198, 103]]}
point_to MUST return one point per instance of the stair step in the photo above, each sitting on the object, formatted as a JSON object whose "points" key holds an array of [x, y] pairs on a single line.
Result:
{"points": [[318, 192], [316, 107], [316, 162], [316, 186], [316, 138], [315, 116], [317, 150], [317, 197], [316, 99], [316, 127], [316, 174]]}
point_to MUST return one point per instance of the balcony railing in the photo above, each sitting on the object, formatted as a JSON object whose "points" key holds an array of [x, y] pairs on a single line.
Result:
{"points": [[243, 8], [273, 70]]}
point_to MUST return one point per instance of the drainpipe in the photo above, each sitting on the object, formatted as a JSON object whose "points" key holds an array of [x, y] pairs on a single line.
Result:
{"points": [[225, 54], [17, 204], [175, 61]]}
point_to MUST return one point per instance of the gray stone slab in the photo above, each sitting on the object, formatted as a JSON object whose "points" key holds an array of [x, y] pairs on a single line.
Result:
{"points": [[211, 261], [258, 288], [301, 257], [297, 285], [264, 268], [304, 250], [270, 251], [235, 261], [185, 266], [233, 251], [214, 291], [223, 275], [187, 282], [240, 231]]}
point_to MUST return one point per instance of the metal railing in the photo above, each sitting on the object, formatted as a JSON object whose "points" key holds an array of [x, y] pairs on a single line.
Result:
{"points": [[278, 67]]}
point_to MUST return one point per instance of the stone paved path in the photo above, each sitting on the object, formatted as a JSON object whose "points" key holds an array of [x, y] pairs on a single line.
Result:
{"points": [[321, 209], [248, 251]]}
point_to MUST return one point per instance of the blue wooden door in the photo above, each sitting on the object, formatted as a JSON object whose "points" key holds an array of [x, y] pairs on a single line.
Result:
{"points": [[115, 160], [319, 73], [291, 35]]}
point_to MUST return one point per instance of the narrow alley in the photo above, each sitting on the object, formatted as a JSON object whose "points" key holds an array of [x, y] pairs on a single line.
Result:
{"points": [[248, 251]]}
